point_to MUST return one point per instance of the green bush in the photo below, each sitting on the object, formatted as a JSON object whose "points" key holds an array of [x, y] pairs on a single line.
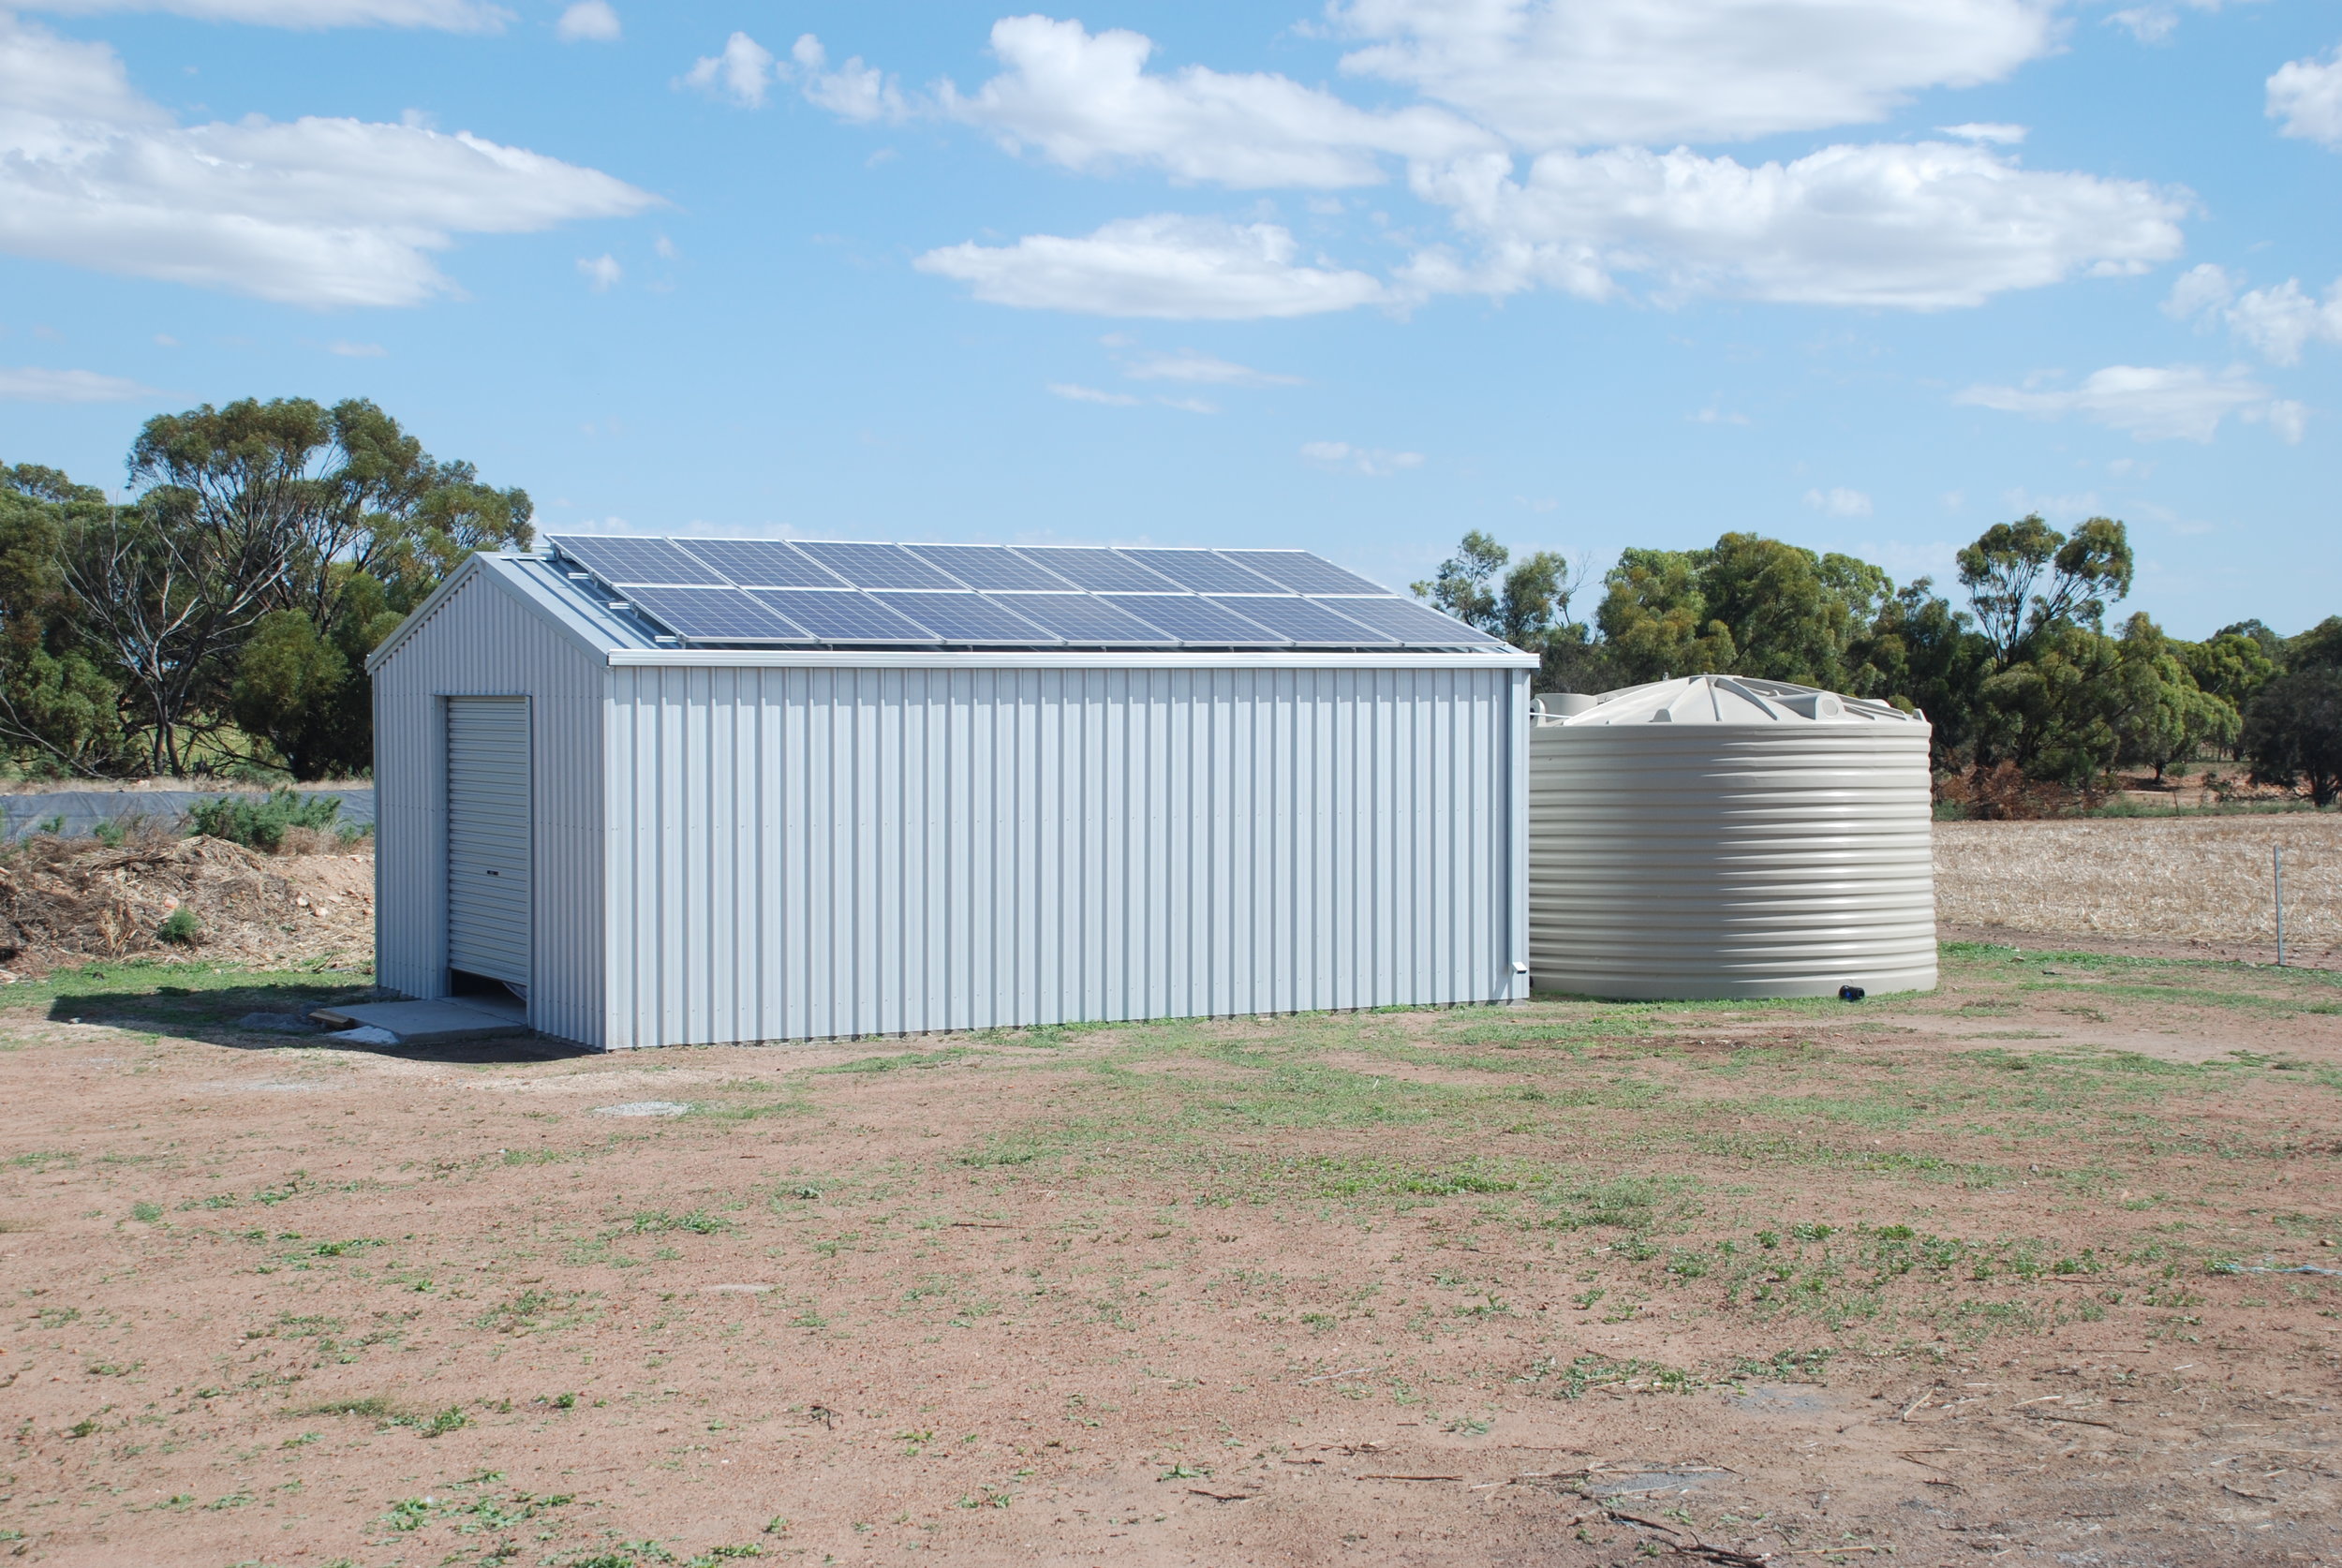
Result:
{"points": [[179, 927], [260, 825]]}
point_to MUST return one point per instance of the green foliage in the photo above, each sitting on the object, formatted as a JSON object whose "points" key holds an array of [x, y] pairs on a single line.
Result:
{"points": [[2294, 733], [1746, 606], [260, 825], [180, 927], [2026, 580], [1527, 606]]}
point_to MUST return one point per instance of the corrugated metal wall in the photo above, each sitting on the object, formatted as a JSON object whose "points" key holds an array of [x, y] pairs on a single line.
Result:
{"points": [[482, 642], [804, 852]]}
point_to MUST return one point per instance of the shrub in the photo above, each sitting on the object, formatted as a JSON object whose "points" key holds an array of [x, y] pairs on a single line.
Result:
{"points": [[179, 927], [262, 824]]}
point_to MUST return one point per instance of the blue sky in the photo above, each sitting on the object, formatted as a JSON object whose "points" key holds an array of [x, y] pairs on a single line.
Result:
{"points": [[1864, 275]]}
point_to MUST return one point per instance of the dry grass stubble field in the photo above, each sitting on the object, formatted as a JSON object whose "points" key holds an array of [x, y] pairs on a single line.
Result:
{"points": [[1972, 1277]]}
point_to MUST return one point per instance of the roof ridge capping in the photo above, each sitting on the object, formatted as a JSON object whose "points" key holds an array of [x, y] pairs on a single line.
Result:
{"points": [[1720, 700]]}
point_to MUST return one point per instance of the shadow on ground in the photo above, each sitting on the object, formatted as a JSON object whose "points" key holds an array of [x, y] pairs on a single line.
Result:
{"points": [[276, 1017]]}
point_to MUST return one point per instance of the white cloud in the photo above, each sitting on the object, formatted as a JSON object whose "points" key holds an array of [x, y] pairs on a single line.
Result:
{"points": [[454, 16], [2151, 402], [1839, 501], [2279, 322], [2307, 95], [1079, 393], [2289, 418], [32, 384], [1189, 366], [312, 211], [741, 73], [1166, 266], [349, 350], [588, 22], [1086, 101], [1574, 73], [1189, 405], [1374, 461], [1978, 130], [851, 91], [601, 273], [2154, 23], [1923, 227]]}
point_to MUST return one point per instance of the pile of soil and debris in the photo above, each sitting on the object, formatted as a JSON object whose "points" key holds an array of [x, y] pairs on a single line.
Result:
{"points": [[70, 900]]}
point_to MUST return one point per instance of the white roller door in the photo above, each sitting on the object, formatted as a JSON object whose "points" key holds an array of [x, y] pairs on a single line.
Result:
{"points": [[487, 837]]}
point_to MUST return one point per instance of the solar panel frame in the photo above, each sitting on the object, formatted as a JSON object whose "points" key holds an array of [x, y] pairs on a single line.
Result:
{"points": [[697, 615], [1203, 572], [1086, 620], [1197, 621], [1305, 573], [625, 563], [1414, 625], [1096, 569], [936, 609], [762, 562], [991, 567], [866, 565], [1306, 623], [844, 617]]}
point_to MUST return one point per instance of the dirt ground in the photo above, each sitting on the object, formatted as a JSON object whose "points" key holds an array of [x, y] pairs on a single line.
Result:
{"points": [[2005, 1273]]}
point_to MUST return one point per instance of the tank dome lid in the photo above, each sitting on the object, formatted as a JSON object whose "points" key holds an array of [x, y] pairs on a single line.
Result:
{"points": [[1728, 700]]}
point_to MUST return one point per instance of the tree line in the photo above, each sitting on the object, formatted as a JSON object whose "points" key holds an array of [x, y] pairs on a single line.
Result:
{"points": [[2026, 673], [219, 619]]}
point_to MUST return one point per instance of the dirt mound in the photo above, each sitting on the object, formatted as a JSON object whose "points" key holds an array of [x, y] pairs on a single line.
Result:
{"points": [[70, 900]]}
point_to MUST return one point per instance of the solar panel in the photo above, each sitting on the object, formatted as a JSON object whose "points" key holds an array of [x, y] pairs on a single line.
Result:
{"points": [[1099, 570], [1197, 622], [1311, 622], [961, 616], [989, 565], [877, 566], [1411, 624], [842, 615], [761, 563], [1303, 572], [1203, 572], [1085, 620], [624, 562], [715, 615]]}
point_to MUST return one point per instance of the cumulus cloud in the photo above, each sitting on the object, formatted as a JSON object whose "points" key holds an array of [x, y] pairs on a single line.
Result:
{"points": [[1923, 227], [2306, 96], [588, 22], [851, 91], [2151, 402], [454, 16], [1166, 266], [2279, 322], [1374, 461], [741, 73], [1087, 101], [313, 212], [1839, 501], [1577, 73], [1980, 130], [1189, 366], [601, 273], [31, 384], [1076, 392]]}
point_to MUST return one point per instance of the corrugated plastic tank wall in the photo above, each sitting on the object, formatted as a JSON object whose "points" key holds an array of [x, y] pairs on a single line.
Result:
{"points": [[1726, 837]]}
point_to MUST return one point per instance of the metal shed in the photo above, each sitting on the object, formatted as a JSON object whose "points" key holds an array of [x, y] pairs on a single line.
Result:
{"points": [[698, 790]]}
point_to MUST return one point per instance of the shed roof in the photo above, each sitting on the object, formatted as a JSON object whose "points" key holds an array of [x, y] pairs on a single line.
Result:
{"points": [[620, 624]]}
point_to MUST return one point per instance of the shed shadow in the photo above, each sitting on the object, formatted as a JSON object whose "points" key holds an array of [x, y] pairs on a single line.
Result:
{"points": [[233, 1019]]}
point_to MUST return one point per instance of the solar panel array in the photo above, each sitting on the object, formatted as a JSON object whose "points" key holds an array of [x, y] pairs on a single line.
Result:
{"points": [[775, 593]]}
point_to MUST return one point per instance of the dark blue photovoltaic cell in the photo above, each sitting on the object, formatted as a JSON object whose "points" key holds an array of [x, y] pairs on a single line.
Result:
{"points": [[1308, 622], [762, 562], [877, 566], [1202, 571], [1085, 619], [989, 565], [624, 562], [842, 615], [1197, 621], [1411, 624], [1303, 572], [967, 617], [1101, 572], [714, 615]]}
